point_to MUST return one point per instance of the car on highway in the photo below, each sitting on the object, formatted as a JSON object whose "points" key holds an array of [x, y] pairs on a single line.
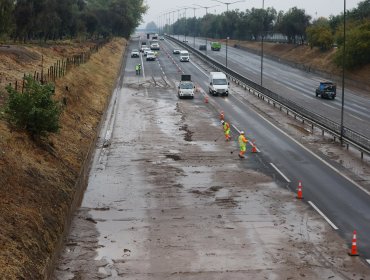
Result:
{"points": [[154, 47], [327, 90], [150, 55], [176, 51], [202, 47], [146, 50], [184, 56], [161, 38], [135, 53], [186, 87]]}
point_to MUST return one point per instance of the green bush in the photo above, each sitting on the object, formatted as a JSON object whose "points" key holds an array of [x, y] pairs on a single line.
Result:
{"points": [[33, 110], [357, 47]]}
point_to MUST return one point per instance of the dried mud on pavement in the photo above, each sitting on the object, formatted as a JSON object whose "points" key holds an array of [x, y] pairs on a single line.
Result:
{"points": [[167, 201]]}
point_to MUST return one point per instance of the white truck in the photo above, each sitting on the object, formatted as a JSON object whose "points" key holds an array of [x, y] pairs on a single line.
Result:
{"points": [[184, 56], [186, 87], [218, 84]]}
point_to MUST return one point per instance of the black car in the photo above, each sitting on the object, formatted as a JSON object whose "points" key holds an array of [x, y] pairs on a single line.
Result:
{"points": [[203, 47]]}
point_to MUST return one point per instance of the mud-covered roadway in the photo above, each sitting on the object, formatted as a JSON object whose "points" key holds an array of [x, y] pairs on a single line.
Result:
{"points": [[168, 198]]}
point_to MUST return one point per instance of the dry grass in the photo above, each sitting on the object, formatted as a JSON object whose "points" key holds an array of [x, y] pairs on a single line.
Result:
{"points": [[37, 186]]}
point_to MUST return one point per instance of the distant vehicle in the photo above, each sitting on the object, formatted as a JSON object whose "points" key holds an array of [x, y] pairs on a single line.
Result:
{"points": [[184, 56], [215, 46], [327, 90], [150, 56], [161, 38], [145, 50], [154, 47], [135, 53], [186, 87], [185, 41], [202, 47], [218, 84], [176, 51]]}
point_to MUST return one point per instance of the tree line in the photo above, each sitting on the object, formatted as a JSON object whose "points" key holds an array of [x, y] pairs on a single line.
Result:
{"points": [[25, 20], [295, 24]]}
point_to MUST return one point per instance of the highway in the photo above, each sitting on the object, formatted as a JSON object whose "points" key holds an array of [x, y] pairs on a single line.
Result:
{"points": [[343, 202], [296, 85]]}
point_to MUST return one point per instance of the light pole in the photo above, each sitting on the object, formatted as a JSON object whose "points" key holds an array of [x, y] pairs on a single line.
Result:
{"points": [[194, 27], [227, 10], [343, 70], [229, 3], [263, 25], [227, 40], [206, 17]]}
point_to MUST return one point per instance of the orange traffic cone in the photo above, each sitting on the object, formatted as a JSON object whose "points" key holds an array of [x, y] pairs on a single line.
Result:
{"points": [[254, 147], [222, 116], [206, 99], [299, 194], [354, 245]]}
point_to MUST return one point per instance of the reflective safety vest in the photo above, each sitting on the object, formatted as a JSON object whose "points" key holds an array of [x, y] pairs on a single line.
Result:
{"points": [[242, 140], [137, 67], [226, 127]]}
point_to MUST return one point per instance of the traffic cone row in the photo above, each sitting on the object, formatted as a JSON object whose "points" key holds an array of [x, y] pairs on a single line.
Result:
{"points": [[206, 99]]}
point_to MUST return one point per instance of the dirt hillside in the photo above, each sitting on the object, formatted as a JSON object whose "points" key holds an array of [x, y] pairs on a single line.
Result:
{"points": [[37, 183]]}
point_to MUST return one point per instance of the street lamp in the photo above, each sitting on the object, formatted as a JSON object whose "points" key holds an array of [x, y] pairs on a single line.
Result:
{"points": [[228, 3], [227, 10], [227, 40], [206, 16], [263, 25], [194, 26], [343, 62]]}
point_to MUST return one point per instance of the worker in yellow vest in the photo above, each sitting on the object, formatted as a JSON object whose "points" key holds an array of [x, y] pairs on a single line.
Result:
{"points": [[242, 144], [226, 127]]}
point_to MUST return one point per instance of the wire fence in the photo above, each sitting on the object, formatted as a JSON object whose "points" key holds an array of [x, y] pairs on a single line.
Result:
{"points": [[59, 69]]}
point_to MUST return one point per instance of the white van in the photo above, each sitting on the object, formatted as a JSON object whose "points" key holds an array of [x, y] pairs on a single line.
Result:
{"points": [[218, 84], [184, 56]]}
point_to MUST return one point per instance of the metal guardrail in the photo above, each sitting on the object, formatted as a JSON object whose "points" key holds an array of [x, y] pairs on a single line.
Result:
{"points": [[350, 137]]}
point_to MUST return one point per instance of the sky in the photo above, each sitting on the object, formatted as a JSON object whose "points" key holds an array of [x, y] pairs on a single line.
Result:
{"points": [[314, 8]]}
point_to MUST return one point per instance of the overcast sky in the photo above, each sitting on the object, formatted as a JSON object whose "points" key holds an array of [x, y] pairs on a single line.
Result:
{"points": [[315, 8]]}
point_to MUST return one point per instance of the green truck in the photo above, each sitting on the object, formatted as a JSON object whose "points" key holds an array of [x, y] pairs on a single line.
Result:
{"points": [[215, 46]]}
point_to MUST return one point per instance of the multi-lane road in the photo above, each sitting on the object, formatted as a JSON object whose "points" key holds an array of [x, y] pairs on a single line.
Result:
{"points": [[148, 191], [345, 203], [296, 85]]}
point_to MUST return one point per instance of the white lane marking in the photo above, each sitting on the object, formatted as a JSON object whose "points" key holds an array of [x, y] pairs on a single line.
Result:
{"points": [[323, 103], [142, 65], [196, 66], [368, 261], [312, 153], [353, 116], [323, 215], [281, 173]]}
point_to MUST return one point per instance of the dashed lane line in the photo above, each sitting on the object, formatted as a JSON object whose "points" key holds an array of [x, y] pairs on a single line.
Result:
{"points": [[323, 215], [281, 173]]}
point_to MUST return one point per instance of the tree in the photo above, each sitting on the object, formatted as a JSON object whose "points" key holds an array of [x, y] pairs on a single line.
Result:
{"points": [[357, 47], [293, 24], [319, 34], [6, 10], [33, 110]]}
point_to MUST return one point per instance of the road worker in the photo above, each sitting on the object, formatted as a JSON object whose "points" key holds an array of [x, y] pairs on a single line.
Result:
{"points": [[226, 127], [242, 144], [137, 69]]}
